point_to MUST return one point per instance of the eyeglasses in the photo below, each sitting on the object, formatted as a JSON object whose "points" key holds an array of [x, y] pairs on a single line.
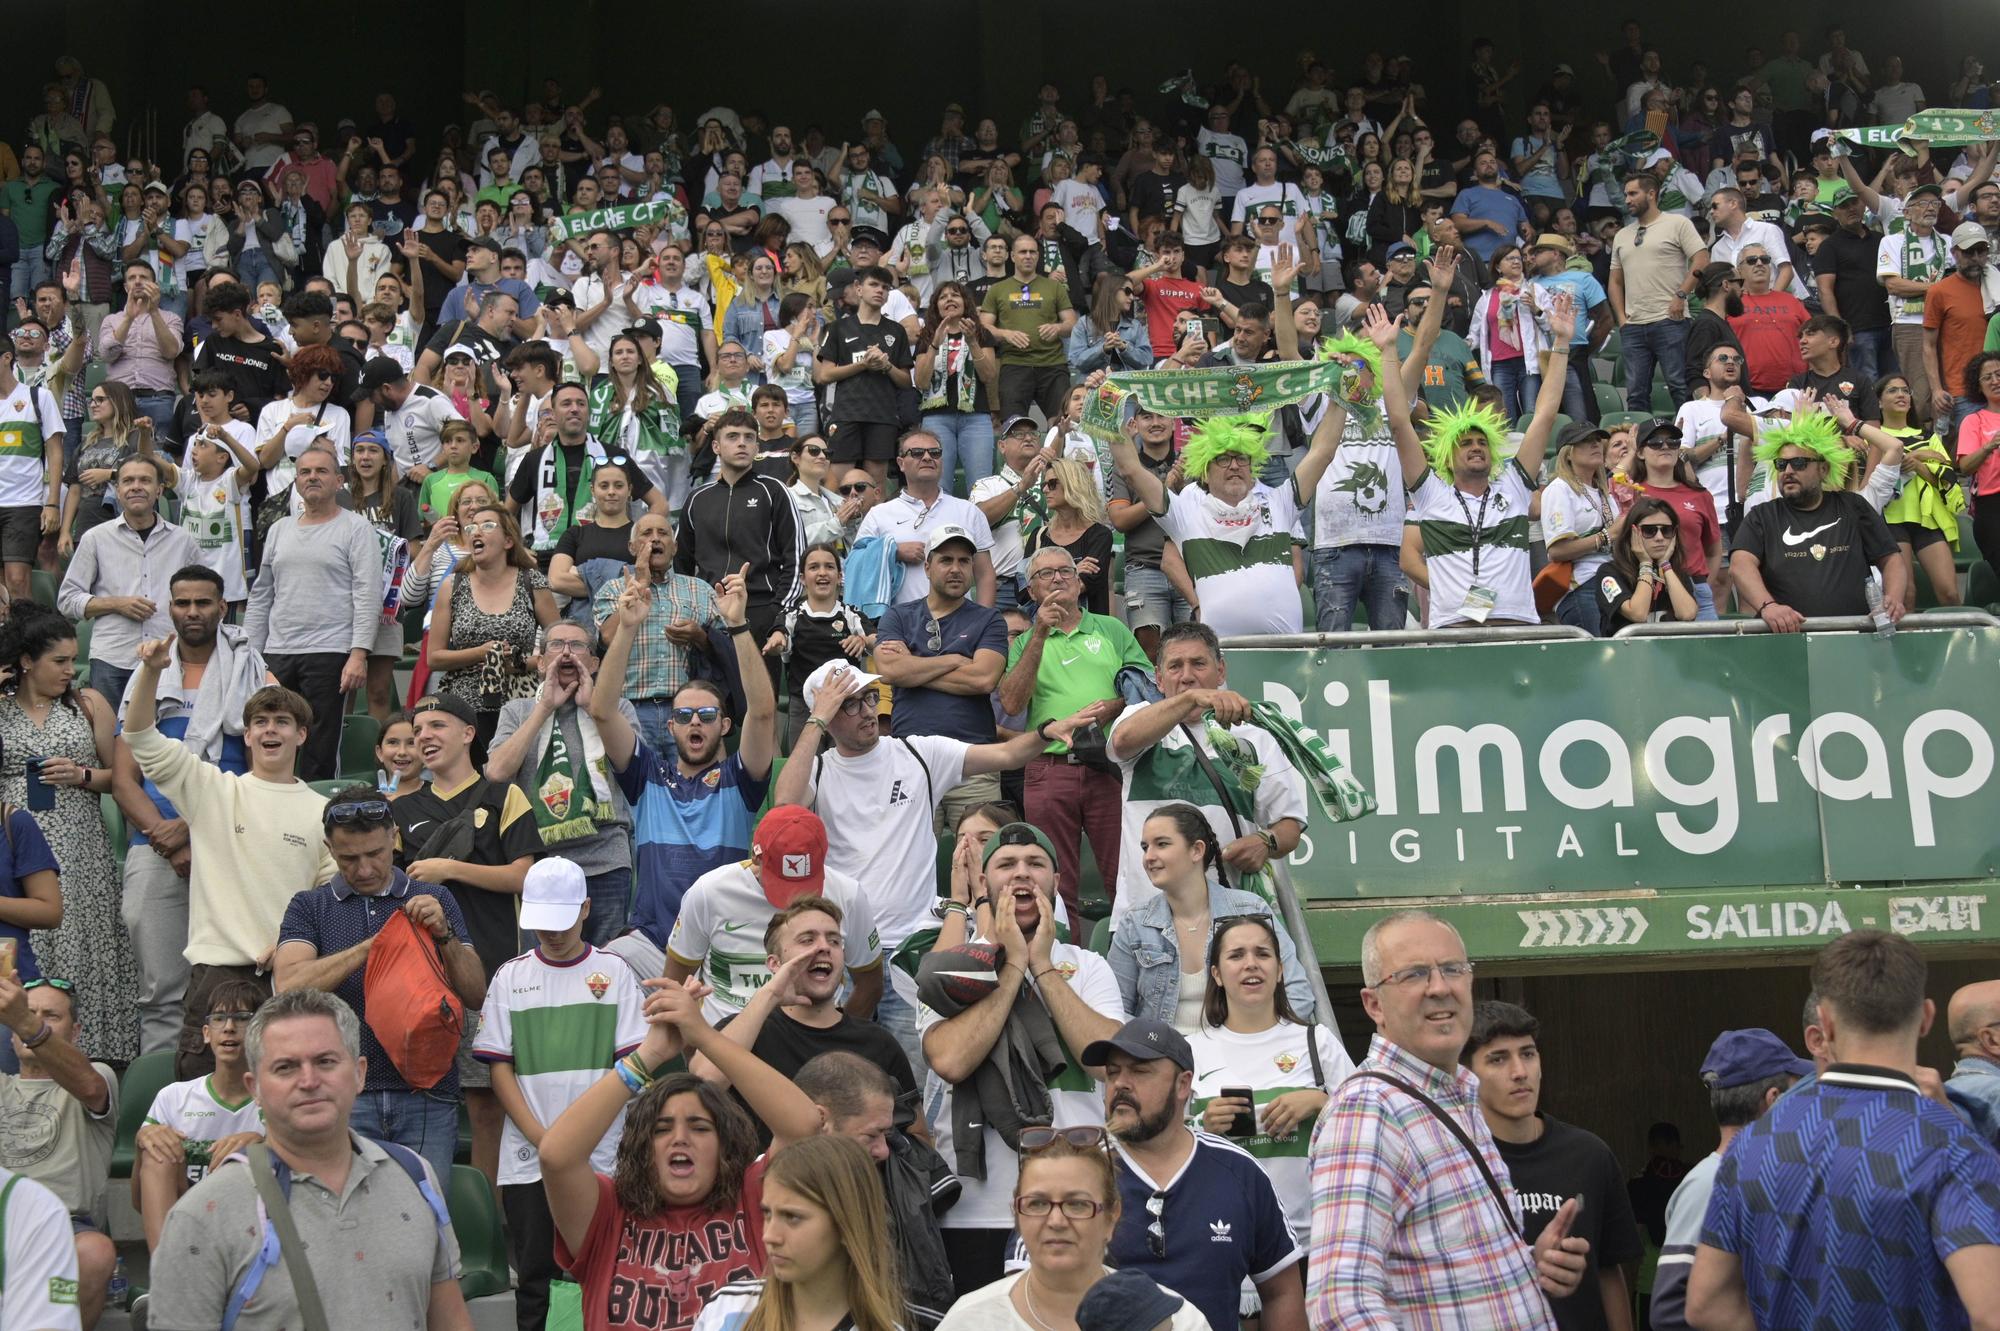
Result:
{"points": [[229, 1018], [98, 399], [860, 702], [1156, 1231], [1793, 464], [356, 813], [929, 453], [1656, 529], [491, 524], [1082, 1137], [66, 986], [732, 355], [686, 715], [1074, 1208], [859, 487], [813, 452], [1450, 970], [1053, 575], [1754, 260]]}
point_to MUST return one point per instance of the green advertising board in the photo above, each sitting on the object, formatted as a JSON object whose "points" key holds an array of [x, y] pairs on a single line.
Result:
{"points": [[1651, 765]]}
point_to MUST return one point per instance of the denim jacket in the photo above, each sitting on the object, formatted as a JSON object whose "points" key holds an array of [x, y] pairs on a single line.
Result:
{"points": [[1975, 1089], [1146, 959]]}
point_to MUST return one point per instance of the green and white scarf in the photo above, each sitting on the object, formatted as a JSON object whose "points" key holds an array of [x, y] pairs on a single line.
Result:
{"points": [[659, 423], [1917, 268], [1340, 795], [572, 795]]}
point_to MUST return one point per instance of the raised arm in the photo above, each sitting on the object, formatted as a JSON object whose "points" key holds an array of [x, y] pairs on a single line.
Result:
{"points": [[1146, 486], [1379, 328], [1548, 403], [760, 724], [635, 602]]}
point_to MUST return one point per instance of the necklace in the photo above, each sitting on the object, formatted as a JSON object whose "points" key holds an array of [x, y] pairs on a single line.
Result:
{"points": [[1028, 1297]]}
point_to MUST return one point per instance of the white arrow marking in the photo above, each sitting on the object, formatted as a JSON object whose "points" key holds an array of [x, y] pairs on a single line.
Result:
{"points": [[1573, 935], [1638, 921], [1542, 928]]}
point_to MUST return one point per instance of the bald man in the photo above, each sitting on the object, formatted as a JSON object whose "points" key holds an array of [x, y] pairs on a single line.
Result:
{"points": [[1974, 1088]]}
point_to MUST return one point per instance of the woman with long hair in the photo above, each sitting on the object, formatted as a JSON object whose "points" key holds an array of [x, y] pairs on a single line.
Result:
{"points": [[1112, 335], [602, 531], [804, 273], [1640, 582], [754, 312], [370, 488], [957, 371], [1195, 205], [487, 622], [1159, 947], [1076, 523], [788, 356], [89, 471], [687, 1180], [1250, 1039], [67, 734], [818, 508], [632, 413], [1066, 1208], [1665, 473], [1924, 517], [1359, 205], [828, 1257], [288, 424], [444, 548], [1582, 524], [821, 628], [192, 228], [996, 197], [1398, 212], [1978, 448]]}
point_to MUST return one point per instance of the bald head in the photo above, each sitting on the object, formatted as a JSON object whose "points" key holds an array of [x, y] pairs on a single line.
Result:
{"points": [[1974, 1018]]}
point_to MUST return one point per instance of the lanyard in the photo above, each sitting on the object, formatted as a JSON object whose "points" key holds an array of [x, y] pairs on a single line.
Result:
{"points": [[1477, 524]]}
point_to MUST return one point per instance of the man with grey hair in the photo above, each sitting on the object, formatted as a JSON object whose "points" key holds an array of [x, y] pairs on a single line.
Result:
{"points": [[305, 1071], [1402, 1152]]}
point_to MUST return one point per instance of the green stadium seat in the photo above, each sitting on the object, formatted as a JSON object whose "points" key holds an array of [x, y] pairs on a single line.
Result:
{"points": [[44, 586], [327, 788], [84, 628], [1612, 420], [1100, 937], [1609, 399], [482, 1244], [358, 733], [1982, 591], [142, 1081]]}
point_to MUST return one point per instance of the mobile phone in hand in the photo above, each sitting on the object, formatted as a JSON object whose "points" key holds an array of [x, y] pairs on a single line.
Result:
{"points": [[1246, 1119]]}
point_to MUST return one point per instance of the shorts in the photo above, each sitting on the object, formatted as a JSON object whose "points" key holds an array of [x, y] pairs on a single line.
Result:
{"points": [[850, 442], [1151, 601], [1915, 534], [473, 1075], [20, 534]]}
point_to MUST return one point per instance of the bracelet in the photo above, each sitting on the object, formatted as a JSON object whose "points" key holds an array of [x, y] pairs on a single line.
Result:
{"points": [[821, 723], [1046, 970], [631, 1080], [1042, 732], [738, 628], [41, 1037], [958, 906]]}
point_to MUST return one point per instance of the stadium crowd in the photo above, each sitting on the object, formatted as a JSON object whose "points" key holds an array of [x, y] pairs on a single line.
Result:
{"points": [[608, 634]]}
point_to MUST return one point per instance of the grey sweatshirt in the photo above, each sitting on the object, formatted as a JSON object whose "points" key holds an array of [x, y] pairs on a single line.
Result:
{"points": [[318, 588]]}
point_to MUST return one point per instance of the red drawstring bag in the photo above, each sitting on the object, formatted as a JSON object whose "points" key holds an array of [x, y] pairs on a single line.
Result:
{"points": [[409, 1003]]}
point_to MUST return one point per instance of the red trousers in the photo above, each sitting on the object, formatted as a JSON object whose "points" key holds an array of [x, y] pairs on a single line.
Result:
{"points": [[1067, 800]]}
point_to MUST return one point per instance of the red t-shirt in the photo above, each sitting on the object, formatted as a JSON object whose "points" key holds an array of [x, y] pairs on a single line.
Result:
{"points": [[1699, 526], [1166, 297], [1973, 435], [1768, 328], [657, 1274]]}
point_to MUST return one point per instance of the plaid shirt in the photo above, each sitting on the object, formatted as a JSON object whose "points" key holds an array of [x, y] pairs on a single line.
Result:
{"points": [[950, 148], [658, 665], [1405, 1232]]}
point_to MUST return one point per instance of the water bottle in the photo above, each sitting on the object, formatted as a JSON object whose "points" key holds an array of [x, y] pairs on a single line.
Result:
{"points": [[1885, 627], [119, 1288]]}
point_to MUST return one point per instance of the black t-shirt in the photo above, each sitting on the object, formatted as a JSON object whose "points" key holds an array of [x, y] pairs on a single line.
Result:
{"points": [[1844, 384], [449, 246], [487, 349], [1850, 260], [871, 395], [585, 541], [788, 1046], [1614, 588], [774, 459], [1095, 543], [1153, 194], [1817, 561], [815, 640], [1241, 294], [576, 474], [503, 830], [392, 219], [254, 369], [1562, 1163]]}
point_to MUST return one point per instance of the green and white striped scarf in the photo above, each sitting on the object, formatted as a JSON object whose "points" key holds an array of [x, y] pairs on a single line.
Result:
{"points": [[1340, 795]]}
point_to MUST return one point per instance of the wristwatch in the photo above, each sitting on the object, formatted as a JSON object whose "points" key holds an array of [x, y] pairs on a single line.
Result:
{"points": [[944, 906], [1270, 840]]}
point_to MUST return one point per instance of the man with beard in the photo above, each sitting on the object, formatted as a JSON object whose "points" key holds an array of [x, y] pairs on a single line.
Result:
{"points": [[552, 481], [1649, 287], [693, 810], [1066, 986], [1199, 1214], [1808, 552], [1845, 271], [1402, 1145], [1710, 444], [211, 672], [601, 311], [1954, 326], [772, 180], [1486, 215]]}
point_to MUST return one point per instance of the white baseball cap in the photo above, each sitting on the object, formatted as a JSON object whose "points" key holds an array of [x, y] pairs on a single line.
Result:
{"points": [[552, 895], [819, 679]]}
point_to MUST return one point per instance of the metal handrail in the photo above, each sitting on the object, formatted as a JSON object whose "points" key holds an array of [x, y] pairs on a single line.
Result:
{"points": [[1413, 637], [1719, 628], [1294, 917]]}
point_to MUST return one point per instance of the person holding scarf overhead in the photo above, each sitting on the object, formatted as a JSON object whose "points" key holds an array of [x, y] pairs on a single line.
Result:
{"points": [[553, 481]]}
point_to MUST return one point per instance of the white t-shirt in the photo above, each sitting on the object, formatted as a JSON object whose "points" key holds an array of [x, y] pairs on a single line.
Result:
{"points": [[1270, 1063], [1228, 154], [1283, 193], [797, 381], [414, 426], [1198, 224], [40, 1258], [991, 1308], [1081, 205], [808, 219], [1169, 773], [1566, 512], [904, 518], [1360, 498], [1241, 558], [1076, 1097], [29, 420], [1006, 552], [333, 422], [193, 232], [588, 291], [878, 807], [193, 1109], [682, 313], [560, 1025], [213, 513], [1448, 520], [1889, 262], [720, 933], [1698, 419], [270, 118]]}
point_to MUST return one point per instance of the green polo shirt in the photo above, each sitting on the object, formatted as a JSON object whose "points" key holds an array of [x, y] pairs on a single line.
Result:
{"points": [[1079, 667]]}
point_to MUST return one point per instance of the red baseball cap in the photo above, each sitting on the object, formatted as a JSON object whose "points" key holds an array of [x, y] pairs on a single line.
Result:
{"points": [[790, 846]]}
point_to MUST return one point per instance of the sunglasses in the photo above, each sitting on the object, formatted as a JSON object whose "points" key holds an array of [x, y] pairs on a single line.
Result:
{"points": [[357, 813], [1156, 1232], [1664, 445], [1656, 529], [687, 715], [66, 986], [958, 231], [1793, 464], [812, 452], [1639, 239], [838, 221], [859, 487], [1753, 261], [923, 452], [1083, 1138]]}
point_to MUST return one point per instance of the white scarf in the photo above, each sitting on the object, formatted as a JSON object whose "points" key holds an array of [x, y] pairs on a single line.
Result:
{"points": [[234, 672], [549, 501]]}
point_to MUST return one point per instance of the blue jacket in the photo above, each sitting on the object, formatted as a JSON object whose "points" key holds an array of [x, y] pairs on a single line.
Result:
{"points": [[1086, 346], [743, 322], [1146, 959]]}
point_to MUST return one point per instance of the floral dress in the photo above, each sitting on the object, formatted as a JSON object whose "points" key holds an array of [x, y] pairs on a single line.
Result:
{"points": [[502, 675], [90, 947]]}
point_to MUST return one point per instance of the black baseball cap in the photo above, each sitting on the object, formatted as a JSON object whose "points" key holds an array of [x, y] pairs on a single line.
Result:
{"points": [[381, 371], [1142, 1038], [1653, 425]]}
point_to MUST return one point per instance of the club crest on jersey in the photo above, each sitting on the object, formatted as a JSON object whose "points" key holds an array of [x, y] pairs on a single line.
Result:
{"points": [[598, 983], [1286, 1062]]}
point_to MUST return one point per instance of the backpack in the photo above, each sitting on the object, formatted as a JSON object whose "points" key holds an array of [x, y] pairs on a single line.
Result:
{"points": [[409, 1003]]}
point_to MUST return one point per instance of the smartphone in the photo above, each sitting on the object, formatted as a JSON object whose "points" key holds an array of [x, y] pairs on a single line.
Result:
{"points": [[1211, 329], [41, 795], [1246, 1119]]}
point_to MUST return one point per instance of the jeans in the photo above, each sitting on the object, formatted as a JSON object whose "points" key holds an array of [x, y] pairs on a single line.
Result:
{"points": [[1006, 591], [1704, 602], [110, 680], [1962, 408], [1579, 397], [895, 1014], [1368, 575], [1662, 344], [1871, 353], [687, 389], [155, 912], [610, 900], [1151, 601], [316, 677], [254, 266], [1580, 608], [29, 271], [1517, 387], [420, 1120], [805, 417], [967, 439], [653, 725], [160, 408]]}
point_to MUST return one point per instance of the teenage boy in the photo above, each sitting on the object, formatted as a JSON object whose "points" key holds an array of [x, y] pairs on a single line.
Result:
{"points": [[195, 1123]]}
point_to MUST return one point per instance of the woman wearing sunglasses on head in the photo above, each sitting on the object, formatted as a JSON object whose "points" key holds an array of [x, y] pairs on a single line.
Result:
{"points": [[1065, 1208], [1250, 1039], [1640, 583]]}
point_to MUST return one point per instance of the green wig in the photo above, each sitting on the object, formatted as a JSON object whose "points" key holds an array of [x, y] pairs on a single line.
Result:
{"points": [[1360, 348], [1817, 433], [1448, 428], [1225, 434]]}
